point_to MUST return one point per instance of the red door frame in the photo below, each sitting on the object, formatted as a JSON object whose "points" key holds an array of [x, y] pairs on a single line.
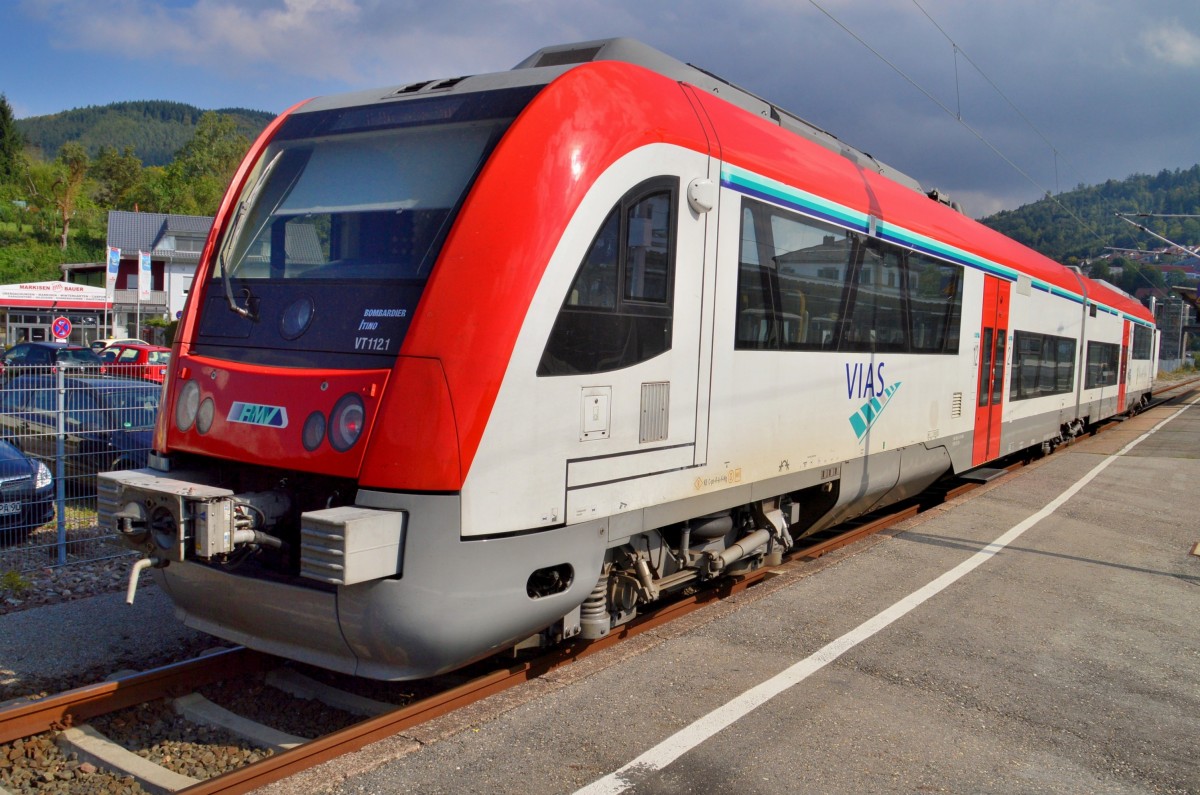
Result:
{"points": [[993, 362]]}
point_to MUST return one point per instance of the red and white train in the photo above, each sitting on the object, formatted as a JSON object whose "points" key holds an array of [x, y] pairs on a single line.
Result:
{"points": [[492, 360]]}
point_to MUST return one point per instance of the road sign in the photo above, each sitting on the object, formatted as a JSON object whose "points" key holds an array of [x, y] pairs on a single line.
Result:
{"points": [[61, 328]]}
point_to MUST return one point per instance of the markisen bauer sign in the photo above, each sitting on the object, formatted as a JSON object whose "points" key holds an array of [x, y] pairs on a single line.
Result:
{"points": [[62, 295]]}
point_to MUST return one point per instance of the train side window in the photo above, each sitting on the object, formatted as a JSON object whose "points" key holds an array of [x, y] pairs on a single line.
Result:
{"points": [[935, 304], [1042, 364], [985, 367], [792, 275], [618, 310], [1066, 365], [1143, 341], [998, 361], [1102, 363], [877, 319]]}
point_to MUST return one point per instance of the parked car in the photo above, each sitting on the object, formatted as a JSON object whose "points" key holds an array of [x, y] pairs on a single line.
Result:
{"points": [[108, 421], [137, 361], [41, 356], [99, 345], [26, 494]]}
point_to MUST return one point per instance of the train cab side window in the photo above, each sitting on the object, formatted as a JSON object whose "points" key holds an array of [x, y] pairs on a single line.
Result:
{"points": [[618, 311]]}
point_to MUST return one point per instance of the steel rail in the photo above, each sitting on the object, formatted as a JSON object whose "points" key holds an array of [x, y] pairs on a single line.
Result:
{"points": [[70, 707]]}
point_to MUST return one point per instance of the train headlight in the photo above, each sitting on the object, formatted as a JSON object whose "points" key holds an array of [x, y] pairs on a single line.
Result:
{"points": [[314, 431], [187, 405], [346, 422], [296, 319]]}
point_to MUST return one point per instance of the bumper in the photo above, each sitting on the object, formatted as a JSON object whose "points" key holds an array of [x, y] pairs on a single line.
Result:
{"points": [[457, 601]]}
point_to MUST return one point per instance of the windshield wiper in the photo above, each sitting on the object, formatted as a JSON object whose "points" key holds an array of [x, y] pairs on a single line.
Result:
{"points": [[250, 310]]}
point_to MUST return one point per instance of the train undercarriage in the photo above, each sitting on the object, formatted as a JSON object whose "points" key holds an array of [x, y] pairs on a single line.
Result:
{"points": [[288, 536]]}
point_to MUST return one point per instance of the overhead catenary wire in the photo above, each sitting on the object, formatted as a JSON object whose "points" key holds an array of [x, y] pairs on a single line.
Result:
{"points": [[957, 117], [1058, 155], [1128, 218]]}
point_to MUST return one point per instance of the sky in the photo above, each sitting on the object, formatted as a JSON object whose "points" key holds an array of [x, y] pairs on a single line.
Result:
{"points": [[993, 103]]}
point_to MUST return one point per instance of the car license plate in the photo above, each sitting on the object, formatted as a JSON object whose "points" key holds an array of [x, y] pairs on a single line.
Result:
{"points": [[10, 508]]}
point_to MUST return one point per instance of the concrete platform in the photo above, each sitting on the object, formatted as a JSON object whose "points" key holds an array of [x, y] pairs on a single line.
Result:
{"points": [[977, 650]]}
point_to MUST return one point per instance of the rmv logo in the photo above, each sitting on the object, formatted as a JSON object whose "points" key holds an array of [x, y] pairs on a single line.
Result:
{"points": [[256, 414]]}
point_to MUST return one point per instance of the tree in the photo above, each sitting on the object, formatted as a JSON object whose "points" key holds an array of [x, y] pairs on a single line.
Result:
{"points": [[1099, 270], [58, 187], [11, 143], [196, 179], [73, 162], [1134, 277], [116, 176]]}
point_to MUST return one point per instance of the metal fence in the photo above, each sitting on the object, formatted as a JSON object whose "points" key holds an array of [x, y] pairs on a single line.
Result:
{"points": [[59, 427]]}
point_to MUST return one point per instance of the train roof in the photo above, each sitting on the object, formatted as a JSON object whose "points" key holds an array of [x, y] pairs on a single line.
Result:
{"points": [[635, 52], [543, 66]]}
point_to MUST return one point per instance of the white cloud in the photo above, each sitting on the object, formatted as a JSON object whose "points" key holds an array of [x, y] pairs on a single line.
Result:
{"points": [[1173, 43], [307, 37]]}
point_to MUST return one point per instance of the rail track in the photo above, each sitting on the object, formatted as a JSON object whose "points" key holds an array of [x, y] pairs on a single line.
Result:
{"points": [[66, 715]]}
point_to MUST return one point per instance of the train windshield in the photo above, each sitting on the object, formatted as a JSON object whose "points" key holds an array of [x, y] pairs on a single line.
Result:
{"points": [[367, 206], [341, 221]]}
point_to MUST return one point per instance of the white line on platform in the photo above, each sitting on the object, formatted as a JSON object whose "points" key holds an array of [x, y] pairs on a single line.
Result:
{"points": [[691, 736]]}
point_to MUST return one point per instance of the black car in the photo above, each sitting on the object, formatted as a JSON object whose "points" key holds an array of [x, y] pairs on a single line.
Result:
{"points": [[107, 421], [26, 495], [39, 357]]}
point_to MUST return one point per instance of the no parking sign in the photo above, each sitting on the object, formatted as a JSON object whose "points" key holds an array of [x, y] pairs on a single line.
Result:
{"points": [[61, 328]]}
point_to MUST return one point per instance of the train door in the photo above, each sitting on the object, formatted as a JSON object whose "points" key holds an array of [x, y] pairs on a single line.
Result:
{"points": [[993, 358], [1123, 370], [633, 336]]}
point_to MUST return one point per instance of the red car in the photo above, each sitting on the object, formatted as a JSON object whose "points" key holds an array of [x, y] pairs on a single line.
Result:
{"points": [[137, 361]]}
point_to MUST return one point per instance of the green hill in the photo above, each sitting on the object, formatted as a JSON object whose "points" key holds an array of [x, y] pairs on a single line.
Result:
{"points": [[1081, 224], [156, 130]]}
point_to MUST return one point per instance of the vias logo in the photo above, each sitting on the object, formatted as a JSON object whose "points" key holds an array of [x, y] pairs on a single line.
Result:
{"points": [[865, 382]]}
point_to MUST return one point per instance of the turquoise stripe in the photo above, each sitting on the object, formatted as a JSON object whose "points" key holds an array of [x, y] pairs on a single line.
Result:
{"points": [[747, 182]]}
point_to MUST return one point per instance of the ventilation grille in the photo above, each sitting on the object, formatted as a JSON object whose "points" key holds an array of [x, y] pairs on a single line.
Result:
{"points": [[656, 399], [428, 85], [956, 404], [563, 57]]}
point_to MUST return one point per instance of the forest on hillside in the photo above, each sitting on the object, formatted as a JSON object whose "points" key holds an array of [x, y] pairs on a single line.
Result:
{"points": [[1082, 224], [154, 130]]}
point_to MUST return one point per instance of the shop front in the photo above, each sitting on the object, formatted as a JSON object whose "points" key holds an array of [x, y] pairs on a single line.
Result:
{"points": [[52, 311]]}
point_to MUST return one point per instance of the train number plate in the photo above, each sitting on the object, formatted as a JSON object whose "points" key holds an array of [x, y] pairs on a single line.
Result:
{"points": [[10, 508]]}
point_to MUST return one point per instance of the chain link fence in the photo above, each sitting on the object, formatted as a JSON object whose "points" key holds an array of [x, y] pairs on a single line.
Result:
{"points": [[59, 427]]}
